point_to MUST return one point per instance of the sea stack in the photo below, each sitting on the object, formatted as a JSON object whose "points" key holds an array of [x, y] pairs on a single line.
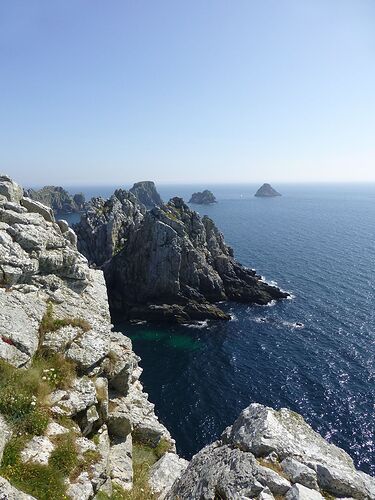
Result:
{"points": [[266, 191], [205, 197], [145, 192]]}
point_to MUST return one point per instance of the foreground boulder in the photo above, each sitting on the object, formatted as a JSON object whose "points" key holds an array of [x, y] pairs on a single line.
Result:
{"points": [[205, 197], [270, 454], [266, 191], [176, 266]]}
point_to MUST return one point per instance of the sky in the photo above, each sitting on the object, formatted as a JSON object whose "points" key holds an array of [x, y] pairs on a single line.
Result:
{"points": [[187, 91]]}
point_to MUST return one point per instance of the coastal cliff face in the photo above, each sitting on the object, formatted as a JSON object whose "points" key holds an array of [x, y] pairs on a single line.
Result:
{"points": [[58, 199], [72, 410], [167, 263], [176, 267], [104, 228]]}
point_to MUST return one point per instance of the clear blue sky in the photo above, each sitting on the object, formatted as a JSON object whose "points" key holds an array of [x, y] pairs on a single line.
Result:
{"points": [[115, 91]]}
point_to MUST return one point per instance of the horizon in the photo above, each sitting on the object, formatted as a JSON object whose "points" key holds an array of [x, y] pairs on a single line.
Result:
{"points": [[184, 93]]}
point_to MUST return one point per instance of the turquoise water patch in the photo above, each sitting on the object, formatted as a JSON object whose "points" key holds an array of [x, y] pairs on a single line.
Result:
{"points": [[183, 342]]}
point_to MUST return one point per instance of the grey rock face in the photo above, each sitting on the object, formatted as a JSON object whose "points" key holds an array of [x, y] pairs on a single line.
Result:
{"points": [[175, 266], [58, 199], [266, 191], [9, 189], [205, 197], [165, 472], [104, 228], [239, 465], [146, 194]]}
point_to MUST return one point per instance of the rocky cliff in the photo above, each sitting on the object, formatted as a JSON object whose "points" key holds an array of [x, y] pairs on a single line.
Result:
{"points": [[266, 191], [106, 225], [167, 263], [205, 197], [269, 455], [73, 413], [58, 199], [176, 266]]}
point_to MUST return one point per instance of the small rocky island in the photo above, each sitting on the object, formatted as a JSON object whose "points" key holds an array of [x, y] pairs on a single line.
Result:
{"points": [[75, 422], [167, 263], [58, 199], [205, 197], [266, 191]]}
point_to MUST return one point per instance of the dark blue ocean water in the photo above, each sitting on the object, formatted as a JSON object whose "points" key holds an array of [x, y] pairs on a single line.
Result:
{"points": [[317, 242]]}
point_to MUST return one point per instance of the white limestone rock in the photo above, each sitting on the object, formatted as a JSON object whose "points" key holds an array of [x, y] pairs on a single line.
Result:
{"points": [[10, 189], [39, 208], [82, 395], [5, 435], [8, 492], [81, 488], [300, 473], [262, 430], [299, 492], [165, 472], [38, 450], [121, 467]]}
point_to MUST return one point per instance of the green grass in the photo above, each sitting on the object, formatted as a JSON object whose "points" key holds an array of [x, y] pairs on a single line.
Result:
{"points": [[54, 368], [51, 324], [22, 399], [64, 457], [42, 481]]}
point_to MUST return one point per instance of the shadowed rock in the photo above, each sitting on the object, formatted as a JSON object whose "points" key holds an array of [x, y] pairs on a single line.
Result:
{"points": [[146, 193], [205, 197], [175, 266]]}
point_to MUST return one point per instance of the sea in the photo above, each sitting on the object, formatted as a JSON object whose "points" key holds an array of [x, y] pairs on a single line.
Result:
{"points": [[313, 353]]}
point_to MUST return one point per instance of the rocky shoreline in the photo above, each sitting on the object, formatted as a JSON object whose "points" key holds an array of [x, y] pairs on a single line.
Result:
{"points": [[75, 421]]}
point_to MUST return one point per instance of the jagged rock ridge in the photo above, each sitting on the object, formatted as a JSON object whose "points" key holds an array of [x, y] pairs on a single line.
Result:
{"points": [[166, 263], [205, 197], [266, 191], [176, 266], [58, 199]]}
